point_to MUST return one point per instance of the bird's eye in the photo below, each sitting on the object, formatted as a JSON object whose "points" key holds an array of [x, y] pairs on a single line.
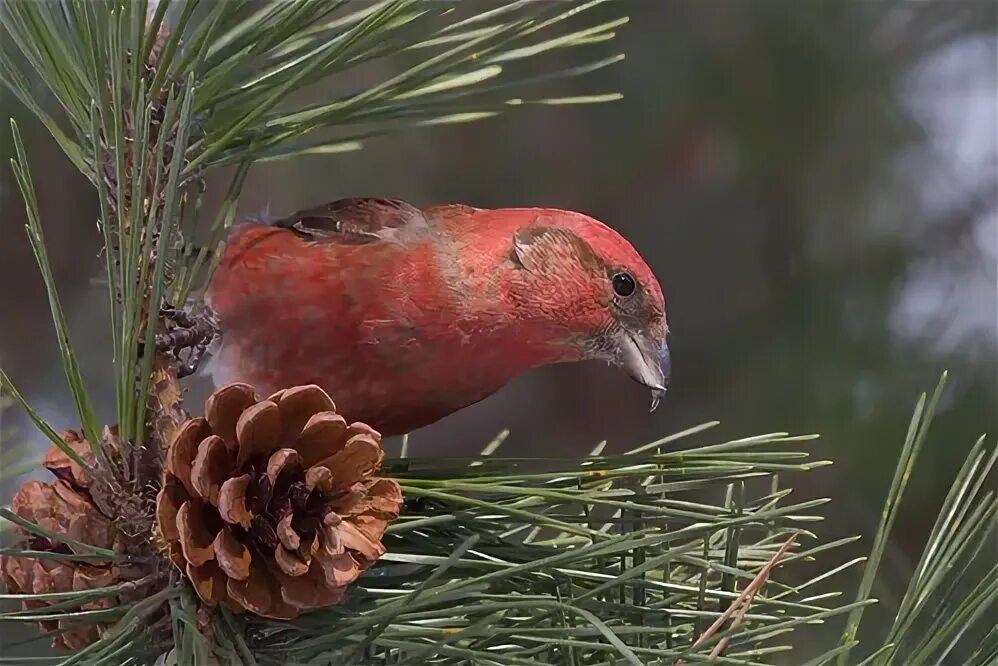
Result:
{"points": [[623, 284]]}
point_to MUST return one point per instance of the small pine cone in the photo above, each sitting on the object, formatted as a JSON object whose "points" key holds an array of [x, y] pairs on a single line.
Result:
{"points": [[64, 506], [271, 506]]}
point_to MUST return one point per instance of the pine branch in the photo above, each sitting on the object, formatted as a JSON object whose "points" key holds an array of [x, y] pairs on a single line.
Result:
{"points": [[611, 558]]}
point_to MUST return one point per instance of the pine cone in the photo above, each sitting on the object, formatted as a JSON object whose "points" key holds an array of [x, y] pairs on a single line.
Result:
{"points": [[270, 506], [64, 506]]}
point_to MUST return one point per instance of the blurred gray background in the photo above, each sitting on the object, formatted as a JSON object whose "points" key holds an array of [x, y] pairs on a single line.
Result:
{"points": [[815, 184]]}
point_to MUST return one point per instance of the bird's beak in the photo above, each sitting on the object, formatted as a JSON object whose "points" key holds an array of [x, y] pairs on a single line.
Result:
{"points": [[647, 362]]}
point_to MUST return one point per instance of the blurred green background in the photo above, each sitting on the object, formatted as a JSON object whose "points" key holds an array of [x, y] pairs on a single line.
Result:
{"points": [[815, 184]]}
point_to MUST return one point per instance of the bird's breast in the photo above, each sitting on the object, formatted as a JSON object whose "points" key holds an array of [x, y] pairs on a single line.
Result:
{"points": [[380, 327]]}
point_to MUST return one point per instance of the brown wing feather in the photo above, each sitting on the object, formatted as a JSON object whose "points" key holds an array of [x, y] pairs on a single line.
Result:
{"points": [[444, 211], [356, 221]]}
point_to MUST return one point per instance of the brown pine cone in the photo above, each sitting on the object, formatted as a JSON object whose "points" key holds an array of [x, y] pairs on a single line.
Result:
{"points": [[270, 506], [65, 507]]}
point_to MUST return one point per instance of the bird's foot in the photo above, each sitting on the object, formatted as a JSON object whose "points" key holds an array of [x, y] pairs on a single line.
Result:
{"points": [[191, 329]]}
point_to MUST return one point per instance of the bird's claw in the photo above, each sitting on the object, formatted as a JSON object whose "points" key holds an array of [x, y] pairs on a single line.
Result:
{"points": [[193, 328]]}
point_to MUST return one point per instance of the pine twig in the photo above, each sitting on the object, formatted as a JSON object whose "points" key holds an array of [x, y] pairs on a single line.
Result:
{"points": [[740, 606]]}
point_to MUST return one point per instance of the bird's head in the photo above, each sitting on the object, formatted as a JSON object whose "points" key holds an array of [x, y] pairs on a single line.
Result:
{"points": [[594, 292]]}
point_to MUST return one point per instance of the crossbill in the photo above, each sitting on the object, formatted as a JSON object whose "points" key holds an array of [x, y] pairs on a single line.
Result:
{"points": [[405, 315]]}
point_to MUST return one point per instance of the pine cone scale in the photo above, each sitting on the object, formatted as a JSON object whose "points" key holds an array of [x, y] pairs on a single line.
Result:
{"points": [[290, 562], [357, 461], [233, 557], [64, 467], [232, 501], [209, 468], [183, 449], [258, 431], [318, 431], [223, 408], [286, 533], [196, 539], [299, 405], [168, 502], [209, 581]]}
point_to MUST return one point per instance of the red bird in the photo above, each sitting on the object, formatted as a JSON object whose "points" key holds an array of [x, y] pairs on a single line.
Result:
{"points": [[405, 315]]}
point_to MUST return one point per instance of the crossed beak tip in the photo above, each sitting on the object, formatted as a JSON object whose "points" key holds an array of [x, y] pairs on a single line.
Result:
{"points": [[648, 362]]}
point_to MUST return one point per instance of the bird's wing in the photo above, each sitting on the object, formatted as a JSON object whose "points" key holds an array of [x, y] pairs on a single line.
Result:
{"points": [[357, 221]]}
